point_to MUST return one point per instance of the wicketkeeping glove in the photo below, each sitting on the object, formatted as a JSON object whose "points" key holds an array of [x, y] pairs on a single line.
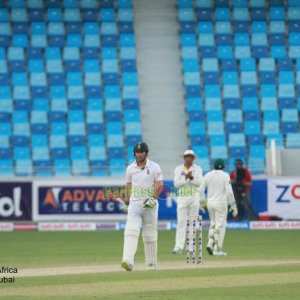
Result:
{"points": [[233, 209], [150, 202]]}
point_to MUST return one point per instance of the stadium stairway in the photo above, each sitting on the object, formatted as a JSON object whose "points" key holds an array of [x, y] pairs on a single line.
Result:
{"points": [[160, 82]]}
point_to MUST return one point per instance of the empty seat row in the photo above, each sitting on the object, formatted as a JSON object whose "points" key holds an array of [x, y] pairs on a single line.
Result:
{"points": [[37, 4]]}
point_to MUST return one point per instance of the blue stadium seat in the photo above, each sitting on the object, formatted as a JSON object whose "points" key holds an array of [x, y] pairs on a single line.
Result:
{"points": [[237, 140], [42, 168], [293, 140], [202, 27], [268, 91], [277, 13], [237, 152], [58, 128], [267, 77], [222, 14], [214, 116], [270, 127], [23, 167], [257, 151], [200, 151], [201, 3], [198, 140], [217, 140], [215, 128], [80, 167], [125, 3], [288, 127], [73, 27], [252, 127], [62, 167], [129, 78], [184, 14], [271, 115], [267, 64], [58, 115], [187, 27], [196, 128], [54, 15], [188, 40], [249, 104], [6, 168], [223, 27], [256, 165], [98, 168], [219, 152], [117, 166], [56, 79], [256, 139], [224, 39], [204, 14], [133, 128], [194, 104], [40, 153], [240, 26], [213, 104], [125, 27], [247, 64]]}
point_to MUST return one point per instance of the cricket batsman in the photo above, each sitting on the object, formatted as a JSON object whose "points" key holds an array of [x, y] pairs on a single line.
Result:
{"points": [[144, 185], [187, 180], [219, 191]]}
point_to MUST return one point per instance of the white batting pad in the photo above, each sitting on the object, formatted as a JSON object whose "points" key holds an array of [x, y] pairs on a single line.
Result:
{"points": [[222, 236], [131, 238], [150, 244], [217, 237], [211, 232]]}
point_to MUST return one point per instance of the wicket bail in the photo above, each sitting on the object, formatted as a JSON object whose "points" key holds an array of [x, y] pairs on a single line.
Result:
{"points": [[194, 224]]}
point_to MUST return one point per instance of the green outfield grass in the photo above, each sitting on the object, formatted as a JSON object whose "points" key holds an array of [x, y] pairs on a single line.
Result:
{"points": [[218, 278]]}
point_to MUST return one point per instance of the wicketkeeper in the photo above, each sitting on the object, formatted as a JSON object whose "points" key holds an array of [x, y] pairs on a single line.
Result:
{"points": [[187, 180], [219, 191], [144, 184]]}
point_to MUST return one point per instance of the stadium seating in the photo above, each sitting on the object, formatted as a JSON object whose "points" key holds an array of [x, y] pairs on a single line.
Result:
{"points": [[67, 69], [241, 70]]}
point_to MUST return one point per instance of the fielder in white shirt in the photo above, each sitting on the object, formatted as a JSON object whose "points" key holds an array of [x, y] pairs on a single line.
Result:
{"points": [[144, 185], [219, 191], [187, 180]]}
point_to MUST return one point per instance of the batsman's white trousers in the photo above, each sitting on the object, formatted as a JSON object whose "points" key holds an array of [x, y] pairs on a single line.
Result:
{"points": [[135, 217], [218, 218], [186, 206], [147, 216]]}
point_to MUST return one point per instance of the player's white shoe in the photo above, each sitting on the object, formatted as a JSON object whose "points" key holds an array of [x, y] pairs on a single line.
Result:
{"points": [[219, 253], [125, 264], [176, 250], [151, 267]]}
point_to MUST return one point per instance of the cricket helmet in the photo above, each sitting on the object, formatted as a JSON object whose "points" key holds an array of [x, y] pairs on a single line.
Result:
{"points": [[141, 147], [219, 164]]}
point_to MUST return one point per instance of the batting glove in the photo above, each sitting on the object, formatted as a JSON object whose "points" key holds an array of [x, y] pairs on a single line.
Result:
{"points": [[150, 202], [123, 205]]}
